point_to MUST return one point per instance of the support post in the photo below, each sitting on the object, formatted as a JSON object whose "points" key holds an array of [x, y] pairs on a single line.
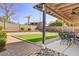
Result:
{"points": [[44, 28]]}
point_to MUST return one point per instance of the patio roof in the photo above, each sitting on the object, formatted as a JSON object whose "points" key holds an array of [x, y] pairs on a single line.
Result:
{"points": [[62, 11]]}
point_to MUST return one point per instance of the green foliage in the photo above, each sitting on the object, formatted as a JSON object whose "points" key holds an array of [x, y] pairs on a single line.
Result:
{"points": [[29, 29], [3, 37], [1, 28], [56, 23], [3, 19], [3, 34], [22, 29]]}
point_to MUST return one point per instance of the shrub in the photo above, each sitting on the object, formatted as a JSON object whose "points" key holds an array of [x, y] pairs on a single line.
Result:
{"points": [[1, 28], [56, 23], [3, 37], [29, 29], [22, 29]]}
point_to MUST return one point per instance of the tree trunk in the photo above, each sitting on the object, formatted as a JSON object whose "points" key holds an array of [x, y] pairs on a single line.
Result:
{"points": [[28, 21], [4, 25]]}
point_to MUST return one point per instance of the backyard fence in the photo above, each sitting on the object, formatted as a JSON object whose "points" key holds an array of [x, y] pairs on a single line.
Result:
{"points": [[61, 29]]}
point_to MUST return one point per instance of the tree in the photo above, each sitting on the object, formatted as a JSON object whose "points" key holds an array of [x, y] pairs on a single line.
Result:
{"points": [[8, 11], [28, 17], [3, 19], [56, 23]]}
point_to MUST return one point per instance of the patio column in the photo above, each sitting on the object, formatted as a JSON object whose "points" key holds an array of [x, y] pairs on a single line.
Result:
{"points": [[44, 29]]}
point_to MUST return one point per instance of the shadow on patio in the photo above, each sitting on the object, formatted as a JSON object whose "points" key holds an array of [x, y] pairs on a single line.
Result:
{"points": [[20, 49], [63, 48]]}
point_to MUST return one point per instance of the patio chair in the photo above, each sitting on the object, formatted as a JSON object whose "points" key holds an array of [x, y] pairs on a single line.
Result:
{"points": [[77, 36], [72, 37], [67, 36], [63, 37]]}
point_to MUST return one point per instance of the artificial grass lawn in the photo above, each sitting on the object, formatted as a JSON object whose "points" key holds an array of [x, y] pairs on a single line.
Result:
{"points": [[36, 37]]}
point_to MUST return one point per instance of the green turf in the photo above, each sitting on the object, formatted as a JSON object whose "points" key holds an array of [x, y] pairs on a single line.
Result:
{"points": [[36, 37]]}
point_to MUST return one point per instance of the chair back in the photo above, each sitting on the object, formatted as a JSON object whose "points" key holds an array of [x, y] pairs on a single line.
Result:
{"points": [[66, 35]]}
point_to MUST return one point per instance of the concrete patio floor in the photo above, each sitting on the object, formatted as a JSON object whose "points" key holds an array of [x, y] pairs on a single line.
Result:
{"points": [[73, 50], [16, 47], [20, 49]]}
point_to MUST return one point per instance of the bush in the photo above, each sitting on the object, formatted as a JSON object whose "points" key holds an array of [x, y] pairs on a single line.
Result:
{"points": [[22, 29], [56, 23], [1, 28], [29, 29], [3, 37]]}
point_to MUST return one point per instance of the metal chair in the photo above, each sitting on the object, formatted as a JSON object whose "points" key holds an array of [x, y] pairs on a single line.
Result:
{"points": [[62, 37], [67, 36], [72, 37]]}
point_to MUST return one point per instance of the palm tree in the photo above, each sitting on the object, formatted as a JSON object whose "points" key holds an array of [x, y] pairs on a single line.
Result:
{"points": [[28, 17]]}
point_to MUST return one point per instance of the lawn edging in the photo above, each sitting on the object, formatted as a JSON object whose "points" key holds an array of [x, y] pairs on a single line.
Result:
{"points": [[54, 39], [48, 41], [26, 41], [37, 43]]}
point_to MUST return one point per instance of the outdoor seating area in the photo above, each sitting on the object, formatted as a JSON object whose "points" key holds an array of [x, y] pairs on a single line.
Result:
{"points": [[68, 33], [70, 37], [59, 37]]}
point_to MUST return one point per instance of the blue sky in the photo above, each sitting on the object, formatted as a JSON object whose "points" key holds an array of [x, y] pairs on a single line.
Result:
{"points": [[25, 9]]}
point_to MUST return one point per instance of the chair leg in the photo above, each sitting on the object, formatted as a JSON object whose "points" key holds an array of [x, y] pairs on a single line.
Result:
{"points": [[69, 42], [74, 41]]}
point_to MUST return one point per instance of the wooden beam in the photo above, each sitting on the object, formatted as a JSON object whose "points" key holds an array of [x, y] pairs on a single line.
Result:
{"points": [[69, 7], [63, 5], [59, 11], [69, 10], [47, 10], [65, 10], [58, 14], [58, 4]]}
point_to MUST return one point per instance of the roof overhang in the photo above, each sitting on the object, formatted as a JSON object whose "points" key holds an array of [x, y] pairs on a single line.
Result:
{"points": [[61, 11]]}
